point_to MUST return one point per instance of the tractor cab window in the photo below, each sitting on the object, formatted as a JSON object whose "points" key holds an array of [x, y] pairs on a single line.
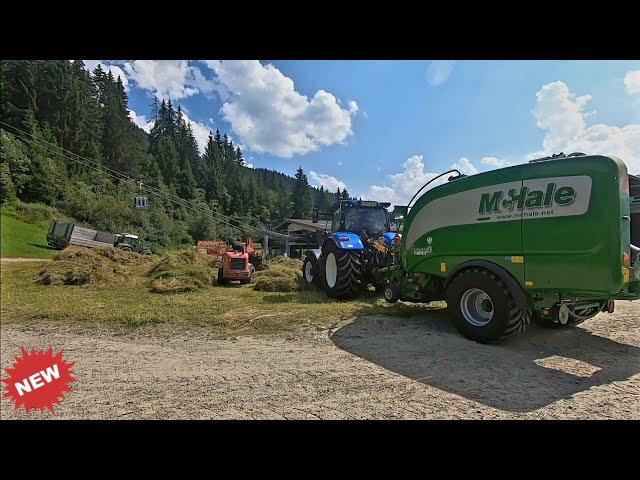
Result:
{"points": [[372, 220], [335, 223]]}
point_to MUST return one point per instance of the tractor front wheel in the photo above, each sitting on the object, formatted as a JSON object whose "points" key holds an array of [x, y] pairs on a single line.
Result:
{"points": [[221, 280], [310, 272], [341, 271]]}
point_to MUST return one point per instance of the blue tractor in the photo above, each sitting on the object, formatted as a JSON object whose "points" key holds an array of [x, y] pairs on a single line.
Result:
{"points": [[360, 243]]}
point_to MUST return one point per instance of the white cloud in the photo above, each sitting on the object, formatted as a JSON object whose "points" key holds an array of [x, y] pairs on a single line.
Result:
{"points": [[91, 64], [327, 181], [403, 185], [115, 70], [141, 121], [171, 79], [561, 114], [494, 162], [270, 116], [465, 166], [632, 82], [200, 131], [439, 71]]}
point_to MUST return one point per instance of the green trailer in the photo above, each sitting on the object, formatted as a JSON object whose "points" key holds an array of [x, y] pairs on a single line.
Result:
{"points": [[548, 241], [63, 234]]}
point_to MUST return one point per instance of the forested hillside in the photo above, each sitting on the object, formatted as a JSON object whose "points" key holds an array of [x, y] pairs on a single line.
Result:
{"points": [[87, 113]]}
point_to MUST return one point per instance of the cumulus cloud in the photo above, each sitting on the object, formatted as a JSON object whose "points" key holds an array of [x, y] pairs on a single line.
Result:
{"points": [[494, 162], [561, 114], [632, 82], [465, 166], [171, 79], [403, 185], [115, 70], [270, 116], [327, 181], [200, 131], [141, 121], [439, 72]]}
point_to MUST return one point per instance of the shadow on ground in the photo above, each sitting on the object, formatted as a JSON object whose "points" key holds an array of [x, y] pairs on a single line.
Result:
{"points": [[44, 247], [523, 374]]}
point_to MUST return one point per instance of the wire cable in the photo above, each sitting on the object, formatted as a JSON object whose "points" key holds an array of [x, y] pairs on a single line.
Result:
{"points": [[93, 164]]}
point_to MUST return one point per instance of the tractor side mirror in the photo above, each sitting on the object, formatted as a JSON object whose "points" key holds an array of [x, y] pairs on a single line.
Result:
{"points": [[399, 215], [315, 215]]}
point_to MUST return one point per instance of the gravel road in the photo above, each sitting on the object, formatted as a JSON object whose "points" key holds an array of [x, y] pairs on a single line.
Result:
{"points": [[371, 367]]}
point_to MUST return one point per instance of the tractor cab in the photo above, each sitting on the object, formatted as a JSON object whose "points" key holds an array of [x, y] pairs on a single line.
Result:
{"points": [[130, 242], [362, 217]]}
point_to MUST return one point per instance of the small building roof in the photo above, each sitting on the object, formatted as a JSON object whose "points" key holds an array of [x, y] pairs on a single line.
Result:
{"points": [[320, 225]]}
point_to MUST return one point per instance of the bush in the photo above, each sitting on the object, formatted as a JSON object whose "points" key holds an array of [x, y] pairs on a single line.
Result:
{"points": [[34, 213]]}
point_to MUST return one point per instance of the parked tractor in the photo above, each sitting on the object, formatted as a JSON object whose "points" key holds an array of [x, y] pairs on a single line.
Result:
{"points": [[358, 246], [548, 241], [130, 243], [235, 265]]}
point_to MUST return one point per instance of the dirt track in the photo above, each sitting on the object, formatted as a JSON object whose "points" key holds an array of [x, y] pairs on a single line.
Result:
{"points": [[372, 367]]}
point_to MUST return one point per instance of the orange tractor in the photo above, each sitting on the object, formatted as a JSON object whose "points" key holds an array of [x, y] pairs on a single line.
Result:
{"points": [[239, 263]]}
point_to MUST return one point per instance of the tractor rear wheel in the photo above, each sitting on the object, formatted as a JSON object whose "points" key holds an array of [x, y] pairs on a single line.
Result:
{"points": [[483, 307], [126, 248], [341, 273]]}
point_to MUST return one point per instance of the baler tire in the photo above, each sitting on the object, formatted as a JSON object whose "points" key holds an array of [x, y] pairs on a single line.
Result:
{"points": [[507, 319], [348, 275]]}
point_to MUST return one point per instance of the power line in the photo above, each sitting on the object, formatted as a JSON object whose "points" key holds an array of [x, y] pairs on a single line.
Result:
{"points": [[93, 164]]}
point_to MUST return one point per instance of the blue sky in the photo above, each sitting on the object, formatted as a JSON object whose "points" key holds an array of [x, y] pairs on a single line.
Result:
{"points": [[383, 128]]}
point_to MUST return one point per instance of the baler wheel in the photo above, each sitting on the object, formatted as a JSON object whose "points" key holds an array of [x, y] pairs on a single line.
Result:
{"points": [[548, 322], [483, 308], [341, 271], [391, 293]]}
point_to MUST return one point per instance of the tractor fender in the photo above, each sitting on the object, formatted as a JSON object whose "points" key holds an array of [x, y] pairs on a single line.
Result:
{"points": [[389, 237], [513, 285], [315, 252], [345, 241]]}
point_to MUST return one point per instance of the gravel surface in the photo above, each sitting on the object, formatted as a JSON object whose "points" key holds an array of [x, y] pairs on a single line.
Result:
{"points": [[371, 367]]}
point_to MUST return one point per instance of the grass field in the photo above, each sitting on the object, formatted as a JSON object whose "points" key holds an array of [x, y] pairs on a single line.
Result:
{"points": [[223, 310], [20, 239]]}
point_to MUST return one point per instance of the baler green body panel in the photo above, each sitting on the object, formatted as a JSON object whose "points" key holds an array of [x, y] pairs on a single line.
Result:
{"points": [[557, 226]]}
